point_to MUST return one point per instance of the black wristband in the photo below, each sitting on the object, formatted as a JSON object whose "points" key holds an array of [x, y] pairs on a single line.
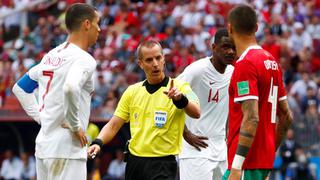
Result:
{"points": [[182, 103], [98, 142]]}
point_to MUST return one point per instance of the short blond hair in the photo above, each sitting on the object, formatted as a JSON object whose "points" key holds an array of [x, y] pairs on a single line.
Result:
{"points": [[147, 44]]}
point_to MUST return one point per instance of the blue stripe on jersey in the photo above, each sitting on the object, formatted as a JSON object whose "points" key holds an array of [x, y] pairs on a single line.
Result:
{"points": [[27, 84]]}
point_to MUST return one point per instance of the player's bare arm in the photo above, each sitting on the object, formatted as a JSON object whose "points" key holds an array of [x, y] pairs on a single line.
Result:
{"points": [[247, 133], [192, 109], [248, 127], [284, 121], [106, 135], [194, 140]]}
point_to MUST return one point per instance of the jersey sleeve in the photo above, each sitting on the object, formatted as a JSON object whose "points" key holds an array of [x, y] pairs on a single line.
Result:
{"points": [[24, 91], [187, 75], [79, 73], [123, 110], [245, 79], [34, 72], [187, 91]]}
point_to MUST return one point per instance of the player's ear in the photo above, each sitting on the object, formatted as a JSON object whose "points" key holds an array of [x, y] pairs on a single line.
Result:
{"points": [[87, 24], [257, 26], [213, 46]]}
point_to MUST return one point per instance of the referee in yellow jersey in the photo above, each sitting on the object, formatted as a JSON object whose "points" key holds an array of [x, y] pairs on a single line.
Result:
{"points": [[155, 109]]}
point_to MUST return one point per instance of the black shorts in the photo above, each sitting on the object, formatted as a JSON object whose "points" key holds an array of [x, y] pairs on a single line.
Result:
{"points": [[151, 168]]}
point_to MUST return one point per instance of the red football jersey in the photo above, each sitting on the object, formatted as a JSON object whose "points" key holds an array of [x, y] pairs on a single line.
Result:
{"points": [[257, 75]]}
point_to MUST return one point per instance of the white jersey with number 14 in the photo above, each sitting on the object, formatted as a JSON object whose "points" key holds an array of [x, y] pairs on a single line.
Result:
{"points": [[211, 88]]}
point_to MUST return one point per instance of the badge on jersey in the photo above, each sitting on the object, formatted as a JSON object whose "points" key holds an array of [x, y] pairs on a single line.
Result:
{"points": [[160, 118], [243, 88]]}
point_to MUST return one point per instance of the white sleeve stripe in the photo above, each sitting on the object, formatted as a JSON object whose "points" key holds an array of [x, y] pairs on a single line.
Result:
{"points": [[245, 98], [282, 98]]}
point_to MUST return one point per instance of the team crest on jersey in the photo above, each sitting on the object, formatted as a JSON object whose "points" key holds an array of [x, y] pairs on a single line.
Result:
{"points": [[243, 88]]}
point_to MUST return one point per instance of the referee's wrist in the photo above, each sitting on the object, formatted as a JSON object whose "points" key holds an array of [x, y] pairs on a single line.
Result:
{"points": [[98, 142], [182, 103]]}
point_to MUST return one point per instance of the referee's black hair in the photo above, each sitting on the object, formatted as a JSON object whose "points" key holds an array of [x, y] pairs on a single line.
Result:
{"points": [[78, 13], [222, 32]]}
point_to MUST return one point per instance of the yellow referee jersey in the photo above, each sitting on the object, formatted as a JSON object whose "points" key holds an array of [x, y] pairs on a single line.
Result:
{"points": [[156, 124]]}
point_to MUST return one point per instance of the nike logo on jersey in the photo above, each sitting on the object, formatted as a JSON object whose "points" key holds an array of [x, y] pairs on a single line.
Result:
{"points": [[212, 82]]}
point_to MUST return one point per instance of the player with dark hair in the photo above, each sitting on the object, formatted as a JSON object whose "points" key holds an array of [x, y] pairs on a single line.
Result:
{"points": [[257, 98], [65, 84], [204, 151]]}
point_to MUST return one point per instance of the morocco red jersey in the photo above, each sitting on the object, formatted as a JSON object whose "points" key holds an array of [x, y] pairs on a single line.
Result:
{"points": [[257, 75]]}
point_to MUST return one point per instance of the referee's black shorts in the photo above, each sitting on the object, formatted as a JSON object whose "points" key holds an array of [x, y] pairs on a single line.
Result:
{"points": [[151, 168]]}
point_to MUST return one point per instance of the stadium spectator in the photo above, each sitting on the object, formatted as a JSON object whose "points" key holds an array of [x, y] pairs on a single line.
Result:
{"points": [[301, 169], [255, 82], [11, 168], [156, 110], [116, 170], [287, 151], [108, 108], [29, 167], [169, 14], [65, 83]]}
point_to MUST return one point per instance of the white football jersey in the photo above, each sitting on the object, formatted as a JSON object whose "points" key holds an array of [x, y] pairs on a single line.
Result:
{"points": [[211, 88], [64, 65]]}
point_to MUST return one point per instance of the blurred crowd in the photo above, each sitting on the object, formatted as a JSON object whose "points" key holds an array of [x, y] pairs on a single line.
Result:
{"points": [[23, 167], [288, 29]]}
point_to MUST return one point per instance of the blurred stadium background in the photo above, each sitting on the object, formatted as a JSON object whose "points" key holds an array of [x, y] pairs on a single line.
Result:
{"points": [[289, 29]]}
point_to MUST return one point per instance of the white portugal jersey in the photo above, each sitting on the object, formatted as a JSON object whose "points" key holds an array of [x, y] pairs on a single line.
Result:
{"points": [[65, 64], [211, 87]]}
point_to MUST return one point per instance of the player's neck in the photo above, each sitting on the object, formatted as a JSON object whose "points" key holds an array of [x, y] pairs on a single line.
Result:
{"points": [[220, 67], [243, 42], [79, 40]]}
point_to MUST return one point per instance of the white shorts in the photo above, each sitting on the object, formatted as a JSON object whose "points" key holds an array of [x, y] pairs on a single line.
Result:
{"points": [[201, 168], [61, 169]]}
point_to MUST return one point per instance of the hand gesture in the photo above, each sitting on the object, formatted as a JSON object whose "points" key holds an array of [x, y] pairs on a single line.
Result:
{"points": [[173, 93], [235, 174], [80, 135], [93, 150], [195, 141]]}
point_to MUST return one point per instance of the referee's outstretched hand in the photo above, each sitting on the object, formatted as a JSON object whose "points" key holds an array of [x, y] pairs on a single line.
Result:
{"points": [[173, 93], [93, 150]]}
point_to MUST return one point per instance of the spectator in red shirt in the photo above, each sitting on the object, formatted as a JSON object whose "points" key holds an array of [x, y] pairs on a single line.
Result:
{"points": [[270, 44]]}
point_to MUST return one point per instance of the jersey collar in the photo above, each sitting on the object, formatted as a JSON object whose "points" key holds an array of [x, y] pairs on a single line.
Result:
{"points": [[151, 88], [247, 50]]}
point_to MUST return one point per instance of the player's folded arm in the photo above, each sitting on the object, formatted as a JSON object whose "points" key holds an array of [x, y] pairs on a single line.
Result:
{"points": [[23, 90]]}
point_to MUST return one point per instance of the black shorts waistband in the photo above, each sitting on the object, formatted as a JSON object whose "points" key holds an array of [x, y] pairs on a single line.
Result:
{"points": [[168, 158]]}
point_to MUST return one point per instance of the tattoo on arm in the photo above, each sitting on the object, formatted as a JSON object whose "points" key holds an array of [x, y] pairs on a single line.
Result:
{"points": [[284, 121], [248, 127]]}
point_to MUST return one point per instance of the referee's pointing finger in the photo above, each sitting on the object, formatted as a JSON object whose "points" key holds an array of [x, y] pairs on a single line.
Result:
{"points": [[171, 84]]}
